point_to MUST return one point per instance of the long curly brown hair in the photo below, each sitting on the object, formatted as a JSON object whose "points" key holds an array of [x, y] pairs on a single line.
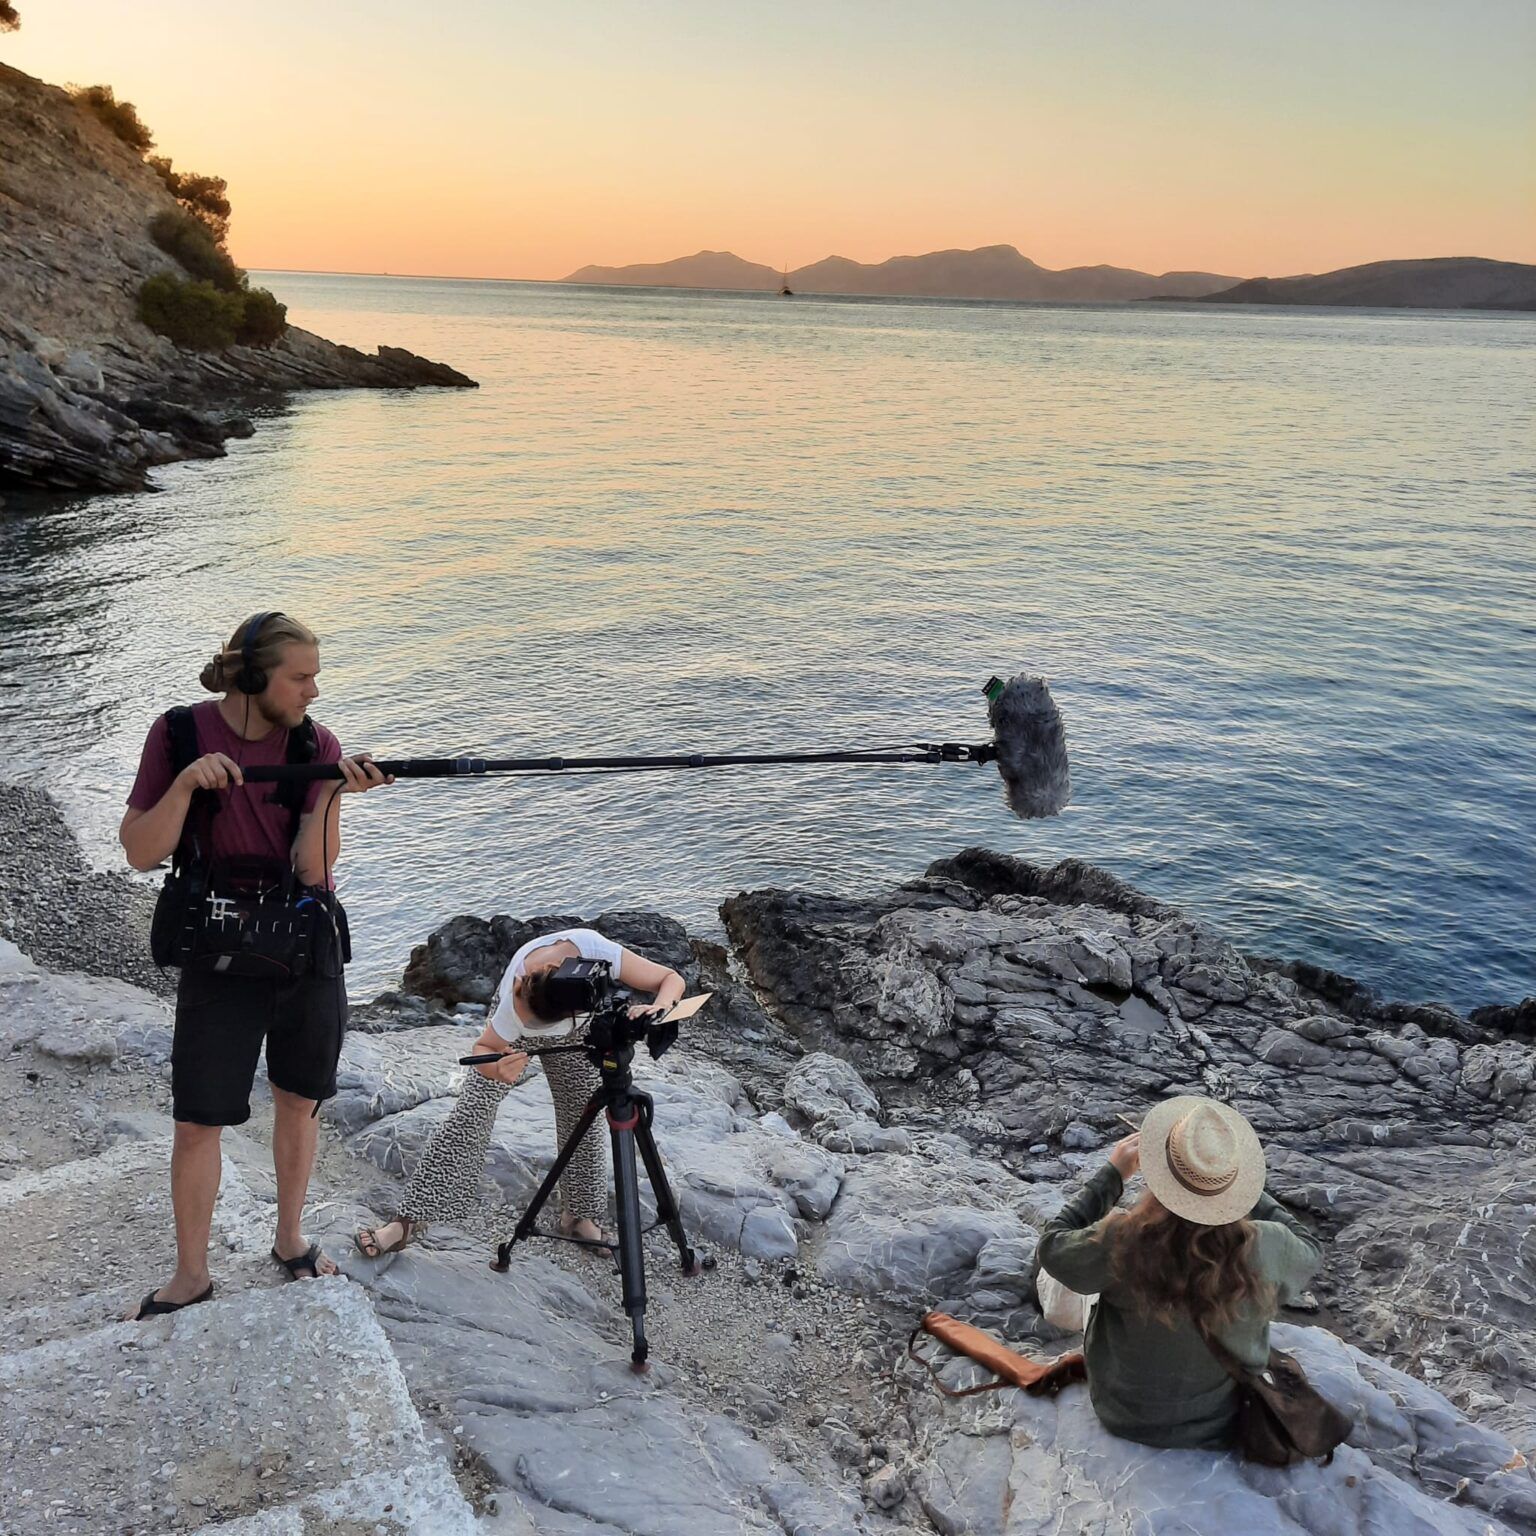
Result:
{"points": [[1175, 1268]]}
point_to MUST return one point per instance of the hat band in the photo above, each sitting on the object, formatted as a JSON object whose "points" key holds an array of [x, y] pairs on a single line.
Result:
{"points": [[1207, 1187]]}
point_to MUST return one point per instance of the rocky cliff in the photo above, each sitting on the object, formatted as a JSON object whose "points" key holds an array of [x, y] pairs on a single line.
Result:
{"points": [[90, 398]]}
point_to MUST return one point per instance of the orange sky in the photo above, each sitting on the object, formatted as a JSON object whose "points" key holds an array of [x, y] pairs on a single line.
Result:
{"points": [[503, 139]]}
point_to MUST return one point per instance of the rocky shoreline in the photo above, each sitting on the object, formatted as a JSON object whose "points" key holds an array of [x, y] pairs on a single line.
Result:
{"points": [[882, 1104], [99, 417], [90, 398]]}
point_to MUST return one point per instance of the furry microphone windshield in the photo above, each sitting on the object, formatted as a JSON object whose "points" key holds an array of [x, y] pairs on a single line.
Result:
{"points": [[1031, 746]]}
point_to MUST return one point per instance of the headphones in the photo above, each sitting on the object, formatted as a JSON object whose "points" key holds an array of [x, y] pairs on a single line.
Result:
{"points": [[251, 678]]}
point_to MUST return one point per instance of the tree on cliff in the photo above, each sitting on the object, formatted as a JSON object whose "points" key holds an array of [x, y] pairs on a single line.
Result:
{"points": [[122, 117], [205, 197]]}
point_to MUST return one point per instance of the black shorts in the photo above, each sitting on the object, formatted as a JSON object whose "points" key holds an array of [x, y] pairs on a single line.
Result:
{"points": [[220, 1024]]}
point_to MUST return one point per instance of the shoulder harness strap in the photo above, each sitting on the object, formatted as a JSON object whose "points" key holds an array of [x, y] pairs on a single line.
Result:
{"points": [[303, 744], [182, 732]]}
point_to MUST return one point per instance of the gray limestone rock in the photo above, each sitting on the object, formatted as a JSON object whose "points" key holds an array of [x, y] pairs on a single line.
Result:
{"points": [[176, 1414], [917, 1227], [547, 1401], [382, 1074], [1022, 1466], [736, 1182], [1404, 1133]]}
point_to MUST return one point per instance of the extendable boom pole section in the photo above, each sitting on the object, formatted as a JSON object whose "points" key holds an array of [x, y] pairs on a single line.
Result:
{"points": [[481, 767]]}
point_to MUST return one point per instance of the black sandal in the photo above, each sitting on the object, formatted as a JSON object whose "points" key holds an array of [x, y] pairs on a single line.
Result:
{"points": [[309, 1259], [149, 1307]]}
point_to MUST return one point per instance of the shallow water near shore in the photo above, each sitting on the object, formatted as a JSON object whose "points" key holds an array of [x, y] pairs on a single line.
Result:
{"points": [[1279, 567]]}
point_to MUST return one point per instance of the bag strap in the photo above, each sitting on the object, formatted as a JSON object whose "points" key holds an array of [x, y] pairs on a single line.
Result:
{"points": [[1242, 1374], [303, 746], [1054, 1374], [181, 731], [933, 1370]]}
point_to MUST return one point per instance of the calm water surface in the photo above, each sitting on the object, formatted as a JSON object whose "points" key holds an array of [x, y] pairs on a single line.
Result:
{"points": [[1280, 568]]}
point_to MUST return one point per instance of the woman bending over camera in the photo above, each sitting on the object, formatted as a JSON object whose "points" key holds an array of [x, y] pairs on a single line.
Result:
{"points": [[446, 1183]]}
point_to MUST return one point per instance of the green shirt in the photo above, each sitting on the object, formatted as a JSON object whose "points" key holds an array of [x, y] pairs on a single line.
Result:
{"points": [[1151, 1382]]}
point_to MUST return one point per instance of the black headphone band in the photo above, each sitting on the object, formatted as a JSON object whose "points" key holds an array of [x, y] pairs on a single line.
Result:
{"points": [[251, 678], [252, 635]]}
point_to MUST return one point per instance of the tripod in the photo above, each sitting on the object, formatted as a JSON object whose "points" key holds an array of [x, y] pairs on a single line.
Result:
{"points": [[629, 1111]]}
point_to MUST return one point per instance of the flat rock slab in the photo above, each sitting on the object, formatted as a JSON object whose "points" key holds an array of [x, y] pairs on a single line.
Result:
{"points": [[1040, 1467], [383, 1074], [421, 1501], [86, 1020], [261, 1399], [539, 1377], [82, 1240]]}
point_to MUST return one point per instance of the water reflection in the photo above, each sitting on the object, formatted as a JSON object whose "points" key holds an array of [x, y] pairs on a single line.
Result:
{"points": [[1272, 564]]}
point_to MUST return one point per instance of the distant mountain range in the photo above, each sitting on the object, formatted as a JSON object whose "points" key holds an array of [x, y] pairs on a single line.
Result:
{"points": [[1001, 272], [1445, 282], [993, 272]]}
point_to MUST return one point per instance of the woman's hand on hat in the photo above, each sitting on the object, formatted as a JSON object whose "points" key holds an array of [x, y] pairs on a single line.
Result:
{"points": [[1125, 1155], [361, 774]]}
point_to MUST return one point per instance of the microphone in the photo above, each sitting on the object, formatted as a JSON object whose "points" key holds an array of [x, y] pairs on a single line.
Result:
{"points": [[1031, 744]]}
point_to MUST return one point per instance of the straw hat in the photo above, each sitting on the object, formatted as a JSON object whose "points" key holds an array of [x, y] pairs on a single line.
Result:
{"points": [[1202, 1160]]}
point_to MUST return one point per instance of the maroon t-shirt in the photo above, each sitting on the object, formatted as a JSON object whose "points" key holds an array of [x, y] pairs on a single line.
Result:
{"points": [[248, 824]]}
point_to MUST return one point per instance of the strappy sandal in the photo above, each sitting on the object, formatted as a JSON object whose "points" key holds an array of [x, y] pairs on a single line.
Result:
{"points": [[603, 1245], [309, 1259], [367, 1238], [149, 1307]]}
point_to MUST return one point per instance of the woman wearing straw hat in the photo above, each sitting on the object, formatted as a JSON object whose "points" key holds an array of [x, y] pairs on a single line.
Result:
{"points": [[1204, 1251]]}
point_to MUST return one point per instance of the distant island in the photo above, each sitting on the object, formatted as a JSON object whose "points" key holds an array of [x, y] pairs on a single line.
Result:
{"points": [[1002, 272], [992, 272], [1446, 282]]}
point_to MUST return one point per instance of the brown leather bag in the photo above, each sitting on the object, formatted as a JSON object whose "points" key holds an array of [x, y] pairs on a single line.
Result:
{"points": [[1281, 1417], [1040, 1378]]}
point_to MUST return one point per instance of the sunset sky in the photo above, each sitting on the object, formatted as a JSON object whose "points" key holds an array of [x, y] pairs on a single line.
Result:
{"points": [[498, 139]]}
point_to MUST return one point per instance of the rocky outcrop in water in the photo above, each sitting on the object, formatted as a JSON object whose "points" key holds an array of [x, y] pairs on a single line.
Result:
{"points": [[90, 398], [1023, 1009]]}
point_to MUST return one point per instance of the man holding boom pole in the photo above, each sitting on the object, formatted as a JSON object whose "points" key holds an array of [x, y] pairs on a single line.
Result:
{"points": [[250, 916]]}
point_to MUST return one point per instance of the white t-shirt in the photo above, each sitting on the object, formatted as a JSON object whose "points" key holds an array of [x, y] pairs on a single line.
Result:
{"points": [[590, 945]]}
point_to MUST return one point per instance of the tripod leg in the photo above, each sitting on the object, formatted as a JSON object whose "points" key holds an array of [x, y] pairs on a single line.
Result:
{"points": [[526, 1221], [666, 1202], [626, 1191]]}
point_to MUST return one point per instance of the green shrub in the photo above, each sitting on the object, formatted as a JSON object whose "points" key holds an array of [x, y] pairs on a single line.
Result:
{"points": [[161, 166], [192, 314], [121, 117], [210, 319], [264, 320], [206, 198], [190, 243]]}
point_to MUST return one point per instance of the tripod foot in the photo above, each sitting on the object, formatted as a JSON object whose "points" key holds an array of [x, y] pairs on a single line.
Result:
{"points": [[695, 1263], [503, 1260], [640, 1367]]}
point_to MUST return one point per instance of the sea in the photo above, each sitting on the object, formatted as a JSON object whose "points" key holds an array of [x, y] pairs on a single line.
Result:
{"points": [[1278, 567]]}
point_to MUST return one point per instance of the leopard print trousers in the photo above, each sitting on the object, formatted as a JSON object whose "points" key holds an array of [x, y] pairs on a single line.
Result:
{"points": [[446, 1183]]}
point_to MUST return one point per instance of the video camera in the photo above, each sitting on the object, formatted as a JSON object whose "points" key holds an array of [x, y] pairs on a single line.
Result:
{"points": [[588, 987]]}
